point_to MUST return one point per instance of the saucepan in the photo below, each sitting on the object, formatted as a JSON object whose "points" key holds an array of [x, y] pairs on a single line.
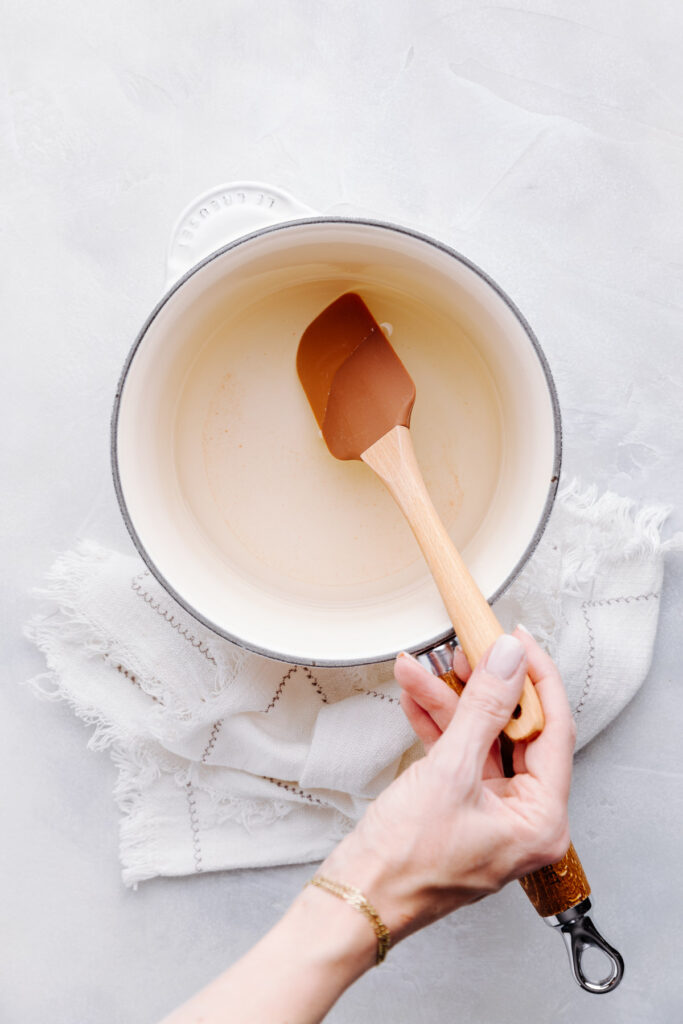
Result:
{"points": [[227, 488], [230, 494]]}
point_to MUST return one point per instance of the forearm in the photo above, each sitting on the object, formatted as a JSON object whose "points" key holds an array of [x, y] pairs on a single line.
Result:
{"points": [[295, 973]]}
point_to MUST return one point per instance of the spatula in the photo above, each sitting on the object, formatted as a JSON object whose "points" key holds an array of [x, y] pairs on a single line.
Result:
{"points": [[362, 397]]}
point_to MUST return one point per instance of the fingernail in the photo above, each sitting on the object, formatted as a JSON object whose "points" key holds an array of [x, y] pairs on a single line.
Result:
{"points": [[523, 629], [506, 657], [404, 654]]}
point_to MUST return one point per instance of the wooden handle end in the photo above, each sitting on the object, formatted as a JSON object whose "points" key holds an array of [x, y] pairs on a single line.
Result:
{"points": [[529, 721]]}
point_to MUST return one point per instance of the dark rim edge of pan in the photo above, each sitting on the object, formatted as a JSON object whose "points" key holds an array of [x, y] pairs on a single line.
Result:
{"points": [[364, 222]]}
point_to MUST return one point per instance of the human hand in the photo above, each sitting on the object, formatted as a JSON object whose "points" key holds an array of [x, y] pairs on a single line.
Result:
{"points": [[448, 831], [452, 829]]}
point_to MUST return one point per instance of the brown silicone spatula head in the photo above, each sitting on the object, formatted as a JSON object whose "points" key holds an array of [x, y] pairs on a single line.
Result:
{"points": [[357, 386]]}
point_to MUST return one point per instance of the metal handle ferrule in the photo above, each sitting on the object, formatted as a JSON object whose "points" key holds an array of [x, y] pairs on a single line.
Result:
{"points": [[439, 660]]}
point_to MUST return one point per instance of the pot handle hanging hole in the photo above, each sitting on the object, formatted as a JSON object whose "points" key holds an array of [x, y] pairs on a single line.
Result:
{"points": [[224, 214], [580, 937]]}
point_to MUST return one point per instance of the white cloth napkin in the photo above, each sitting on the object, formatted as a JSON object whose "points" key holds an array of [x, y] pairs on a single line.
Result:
{"points": [[228, 760]]}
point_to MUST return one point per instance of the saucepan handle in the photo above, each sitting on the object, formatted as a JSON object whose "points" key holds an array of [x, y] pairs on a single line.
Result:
{"points": [[559, 892], [223, 214]]}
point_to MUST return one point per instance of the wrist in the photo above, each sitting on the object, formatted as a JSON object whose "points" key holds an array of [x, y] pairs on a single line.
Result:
{"points": [[353, 863], [404, 899], [339, 941]]}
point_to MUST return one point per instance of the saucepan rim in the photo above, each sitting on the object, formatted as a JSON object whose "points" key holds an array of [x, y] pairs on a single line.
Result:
{"points": [[284, 226]]}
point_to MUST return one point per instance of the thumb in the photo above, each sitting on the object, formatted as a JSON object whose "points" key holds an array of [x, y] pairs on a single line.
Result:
{"points": [[488, 700]]}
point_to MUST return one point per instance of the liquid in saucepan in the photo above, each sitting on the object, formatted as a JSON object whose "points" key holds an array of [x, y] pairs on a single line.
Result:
{"points": [[258, 477]]}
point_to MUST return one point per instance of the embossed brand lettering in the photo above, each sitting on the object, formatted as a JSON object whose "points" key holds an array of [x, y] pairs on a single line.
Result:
{"points": [[216, 204]]}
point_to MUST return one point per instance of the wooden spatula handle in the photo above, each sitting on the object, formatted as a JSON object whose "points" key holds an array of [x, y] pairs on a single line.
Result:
{"points": [[556, 887], [393, 459]]}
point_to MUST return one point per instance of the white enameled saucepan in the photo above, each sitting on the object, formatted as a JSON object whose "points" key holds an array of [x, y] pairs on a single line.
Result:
{"points": [[224, 482]]}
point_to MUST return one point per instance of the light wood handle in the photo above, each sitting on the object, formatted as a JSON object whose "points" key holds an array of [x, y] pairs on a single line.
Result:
{"points": [[556, 887], [393, 459]]}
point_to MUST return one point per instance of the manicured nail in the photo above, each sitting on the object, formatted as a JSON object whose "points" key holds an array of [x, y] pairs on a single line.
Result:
{"points": [[506, 657], [523, 629], [404, 654]]}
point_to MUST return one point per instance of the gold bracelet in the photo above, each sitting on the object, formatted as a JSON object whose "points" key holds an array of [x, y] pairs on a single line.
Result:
{"points": [[356, 898]]}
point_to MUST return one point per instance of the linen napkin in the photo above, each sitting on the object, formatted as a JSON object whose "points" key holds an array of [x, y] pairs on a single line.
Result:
{"points": [[227, 759]]}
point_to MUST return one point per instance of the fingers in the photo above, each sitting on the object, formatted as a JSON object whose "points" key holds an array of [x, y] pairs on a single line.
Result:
{"points": [[426, 690], [424, 725], [427, 700], [549, 757], [461, 665], [487, 703]]}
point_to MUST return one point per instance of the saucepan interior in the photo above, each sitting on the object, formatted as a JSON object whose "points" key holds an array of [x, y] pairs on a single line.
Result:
{"points": [[228, 489]]}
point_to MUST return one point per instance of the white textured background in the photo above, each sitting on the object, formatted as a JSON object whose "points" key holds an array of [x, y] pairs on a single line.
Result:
{"points": [[545, 141]]}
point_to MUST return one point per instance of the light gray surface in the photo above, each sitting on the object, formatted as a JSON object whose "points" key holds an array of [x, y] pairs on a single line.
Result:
{"points": [[543, 140]]}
